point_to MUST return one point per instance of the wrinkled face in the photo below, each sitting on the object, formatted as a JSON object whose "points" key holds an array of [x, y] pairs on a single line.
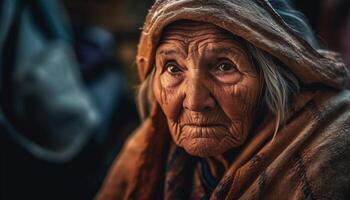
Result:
{"points": [[207, 86]]}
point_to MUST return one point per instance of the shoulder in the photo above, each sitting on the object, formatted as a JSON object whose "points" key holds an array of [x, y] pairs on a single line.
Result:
{"points": [[124, 168], [326, 156]]}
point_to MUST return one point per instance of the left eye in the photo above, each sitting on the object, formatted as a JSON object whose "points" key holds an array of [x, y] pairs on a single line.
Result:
{"points": [[226, 67], [172, 68]]}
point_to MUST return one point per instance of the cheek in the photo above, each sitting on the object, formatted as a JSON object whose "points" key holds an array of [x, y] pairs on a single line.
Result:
{"points": [[239, 101], [168, 96]]}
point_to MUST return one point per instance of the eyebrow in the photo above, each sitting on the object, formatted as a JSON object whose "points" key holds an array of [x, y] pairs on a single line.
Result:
{"points": [[226, 50], [216, 50], [167, 52], [221, 50], [172, 51]]}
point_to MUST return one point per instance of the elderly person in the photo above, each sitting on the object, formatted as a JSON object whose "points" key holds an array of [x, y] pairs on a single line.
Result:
{"points": [[237, 105]]}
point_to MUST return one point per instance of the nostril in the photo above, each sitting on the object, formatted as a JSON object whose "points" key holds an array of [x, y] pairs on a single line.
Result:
{"points": [[199, 104], [198, 96]]}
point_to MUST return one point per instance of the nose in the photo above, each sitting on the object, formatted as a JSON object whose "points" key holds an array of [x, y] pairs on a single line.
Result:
{"points": [[197, 96]]}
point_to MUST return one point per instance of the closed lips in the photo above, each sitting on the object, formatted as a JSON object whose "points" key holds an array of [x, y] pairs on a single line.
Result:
{"points": [[203, 125], [213, 131]]}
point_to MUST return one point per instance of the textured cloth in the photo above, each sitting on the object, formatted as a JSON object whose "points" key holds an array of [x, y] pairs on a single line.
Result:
{"points": [[308, 159]]}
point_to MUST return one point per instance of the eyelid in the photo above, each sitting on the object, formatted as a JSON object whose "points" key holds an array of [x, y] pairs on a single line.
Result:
{"points": [[223, 61], [226, 60], [170, 61], [227, 77], [174, 63], [167, 62]]}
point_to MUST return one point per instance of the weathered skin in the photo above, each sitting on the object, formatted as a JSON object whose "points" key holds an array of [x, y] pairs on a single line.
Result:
{"points": [[207, 86]]}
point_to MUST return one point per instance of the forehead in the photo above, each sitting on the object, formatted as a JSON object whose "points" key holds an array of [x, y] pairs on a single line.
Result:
{"points": [[184, 34], [193, 29]]}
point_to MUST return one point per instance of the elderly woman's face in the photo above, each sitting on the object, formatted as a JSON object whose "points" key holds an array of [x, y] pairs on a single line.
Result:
{"points": [[207, 87]]}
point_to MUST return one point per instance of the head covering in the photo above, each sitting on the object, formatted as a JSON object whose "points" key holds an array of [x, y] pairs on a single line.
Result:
{"points": [[253, 20]]}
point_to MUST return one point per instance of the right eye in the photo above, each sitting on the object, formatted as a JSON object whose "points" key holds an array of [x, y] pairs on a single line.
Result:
{"points": [[173, 68]]}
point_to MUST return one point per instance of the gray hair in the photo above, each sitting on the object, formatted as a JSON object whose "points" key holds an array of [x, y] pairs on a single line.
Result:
{"points": [[278, 84]]}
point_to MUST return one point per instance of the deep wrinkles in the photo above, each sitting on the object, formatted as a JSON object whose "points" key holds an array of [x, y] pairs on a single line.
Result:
{"points": [[215, 124], [225, 125], [202, 118]]}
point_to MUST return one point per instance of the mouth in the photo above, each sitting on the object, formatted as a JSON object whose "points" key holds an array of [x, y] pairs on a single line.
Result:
{"points": [[204, 125], [204, 131]]}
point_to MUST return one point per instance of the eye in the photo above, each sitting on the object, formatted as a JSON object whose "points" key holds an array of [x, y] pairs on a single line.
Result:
{"points": [[173, 68], [227, 72], [226, 67]]}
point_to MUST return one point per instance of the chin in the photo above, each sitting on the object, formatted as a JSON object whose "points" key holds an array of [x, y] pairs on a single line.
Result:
{"points": [[205, 147]]}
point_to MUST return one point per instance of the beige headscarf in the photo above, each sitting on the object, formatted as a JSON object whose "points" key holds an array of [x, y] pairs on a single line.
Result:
{"points": [[253, 20]]}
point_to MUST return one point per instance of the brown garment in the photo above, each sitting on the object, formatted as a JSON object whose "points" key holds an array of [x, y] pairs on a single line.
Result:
{"points": [[310, 156]]}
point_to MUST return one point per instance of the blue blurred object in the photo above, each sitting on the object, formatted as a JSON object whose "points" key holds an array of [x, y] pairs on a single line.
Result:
{"points": [[44, 104], [64, 105], [105, 83]]}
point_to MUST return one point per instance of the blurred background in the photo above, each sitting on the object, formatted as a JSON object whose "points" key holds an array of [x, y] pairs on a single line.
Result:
{"points": [[67, 87]]}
